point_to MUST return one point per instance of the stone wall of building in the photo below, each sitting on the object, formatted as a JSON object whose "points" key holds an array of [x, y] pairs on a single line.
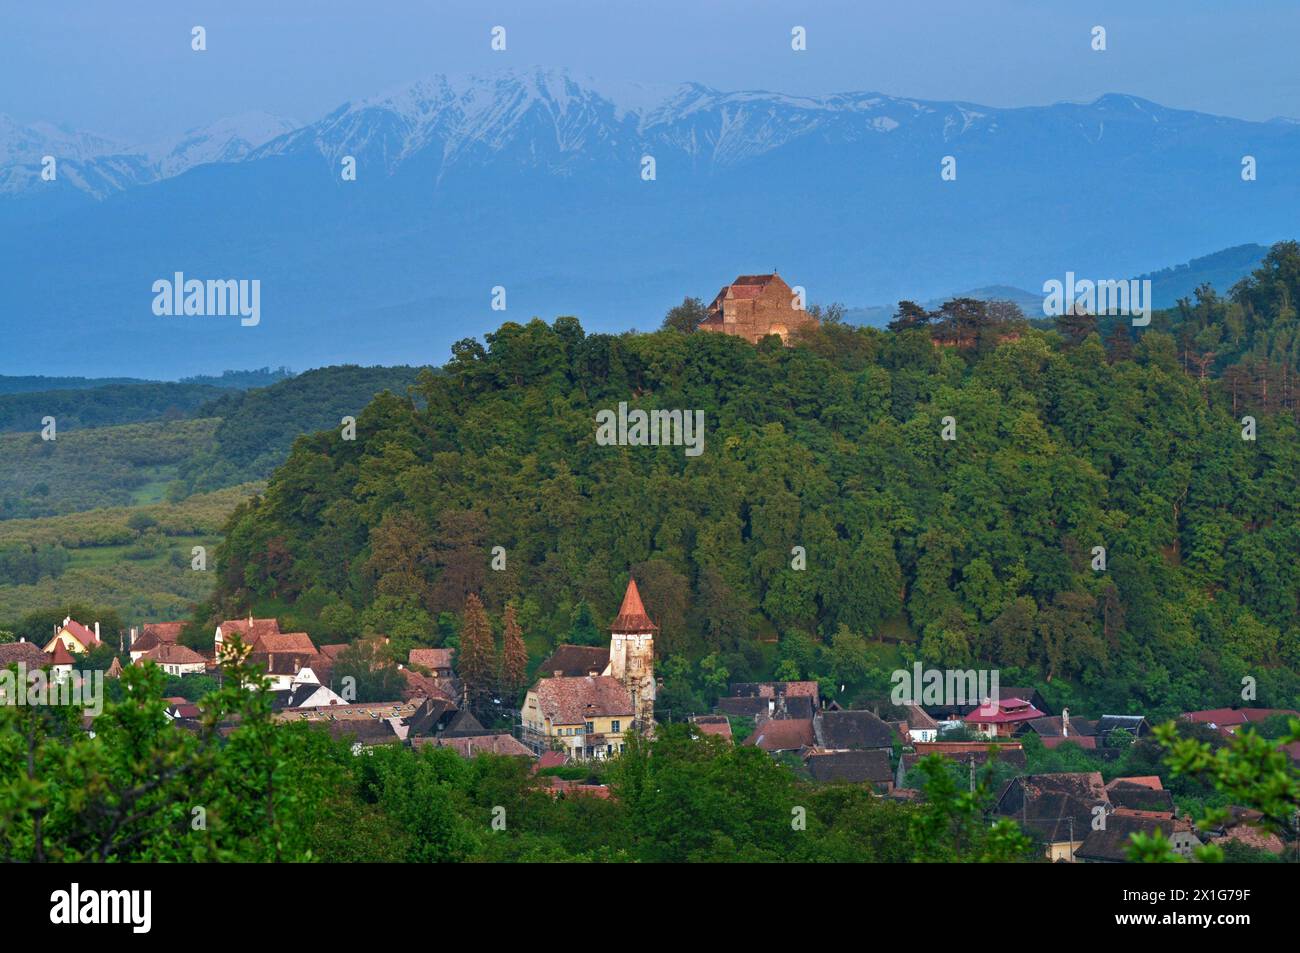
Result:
{"points": [[754, 306]]}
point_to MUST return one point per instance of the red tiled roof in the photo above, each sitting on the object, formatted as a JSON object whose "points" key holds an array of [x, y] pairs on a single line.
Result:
{"points": [[963, 747], [469, 747], [81, 633], [276, 642], [560, 786], [157, 633], [426, 686], [713, 725], [322, 666], [1228, 717], [632, 617], [431, 659], [61, 655], [171, 654], [571, 701], [1151, 781], [552, 759], [249, 630], [804, 689], [744, 288], [29, 653], [1257, 838], [782, 734], [1052, 742]]}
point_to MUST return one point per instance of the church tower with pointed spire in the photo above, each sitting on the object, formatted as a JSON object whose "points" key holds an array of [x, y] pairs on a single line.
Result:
{"points": [[632, 655]]}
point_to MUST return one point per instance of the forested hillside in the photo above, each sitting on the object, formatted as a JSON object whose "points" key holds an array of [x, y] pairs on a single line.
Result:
{"points": [[258, 426], [98, 466], [262, 377], [103, 406], [186, 441], [1222, 269], [106, 516], [131, 562], [26, 384], [976, 549], [79, 402]]}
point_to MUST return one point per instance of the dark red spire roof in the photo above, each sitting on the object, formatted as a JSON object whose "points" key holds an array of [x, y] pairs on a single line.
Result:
{"points": [[632, 617], [61, 655]]}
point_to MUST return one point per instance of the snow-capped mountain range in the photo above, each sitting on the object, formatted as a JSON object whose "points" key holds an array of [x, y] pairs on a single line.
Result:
{"points": [[536, 181], [99, 165], [553, 120]]}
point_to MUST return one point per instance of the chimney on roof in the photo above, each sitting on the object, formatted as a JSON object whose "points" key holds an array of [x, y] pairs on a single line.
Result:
{"points": [[1065, 722], [96, 631]]}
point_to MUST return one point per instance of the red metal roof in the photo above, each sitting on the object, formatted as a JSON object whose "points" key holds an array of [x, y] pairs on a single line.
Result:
{"points": [[1008, 709]]}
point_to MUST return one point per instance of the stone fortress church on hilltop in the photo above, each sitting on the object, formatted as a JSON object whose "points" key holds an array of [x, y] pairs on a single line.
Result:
{"points": [[586, 698], [754, 306]]}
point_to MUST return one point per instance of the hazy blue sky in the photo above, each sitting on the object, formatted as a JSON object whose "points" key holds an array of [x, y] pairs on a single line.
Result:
{"points": [[126, 69]]}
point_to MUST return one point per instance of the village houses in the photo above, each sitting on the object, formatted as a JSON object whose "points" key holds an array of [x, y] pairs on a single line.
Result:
{"points": [[588, 715]]}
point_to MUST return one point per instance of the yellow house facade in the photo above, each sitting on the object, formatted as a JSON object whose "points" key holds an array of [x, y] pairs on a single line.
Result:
{"points": [[75, 637], [587, 717]]}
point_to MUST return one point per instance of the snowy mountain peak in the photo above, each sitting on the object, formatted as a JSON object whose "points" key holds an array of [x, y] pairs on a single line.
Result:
{"points": [[226, 140], [552, 120], [22, 144]]}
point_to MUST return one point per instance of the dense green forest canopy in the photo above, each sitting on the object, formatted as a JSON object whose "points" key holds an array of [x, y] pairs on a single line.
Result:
{"points": [[24, 384], [978, 549], [78, 402], [138, 444], [258, 426], [261, 377], [95, 467], [103, 406]]}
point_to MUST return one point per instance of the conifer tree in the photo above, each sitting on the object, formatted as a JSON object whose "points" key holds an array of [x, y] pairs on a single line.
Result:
{"points": [[476, 660], [1076, 324], [514, 656], [1119, 343]]}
